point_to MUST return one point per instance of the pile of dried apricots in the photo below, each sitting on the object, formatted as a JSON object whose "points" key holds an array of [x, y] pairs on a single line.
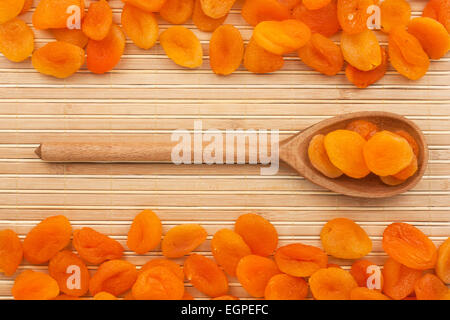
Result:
{"points": [[250, 253], [362, 148], [280, 27]]}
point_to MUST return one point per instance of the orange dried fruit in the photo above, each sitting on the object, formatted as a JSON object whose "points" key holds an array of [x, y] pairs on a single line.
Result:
{"points": [[187, 296], [409, 171], [409, 246], [205, 275], [70, 272], [332, 284], [9, 9], [31, 285], [365, 128], [394, 13], [323, 21], [104, 55], [364, 271], [104, 296], [182, 47], [399, 280], [363, 293], [430, 287], [26, 6], [58, 59], [98, 20], [16, 40], [361, 50], [290, 4], [46, 239], [412, 142], [225, 297], [216, 8], [345, 150], [391, 181], [182, 239], [145, 232], [95, 247], [259, 60], [387, 153], [166, 263], [315, 4], [158, 283], [300, 260], [363, 79], [254, 273], [256, 11], [228, 248], [73, 36], [11, 252], [322, 54], [319, 157], [342, 238], [140, 26], [407, 55], [259, 234], [443, 262], [226, 50], [353, 15], [432, 35], [146, 5], [438, 10], [286, 287], [114, 276], [202, 21], [280, 37], [177, 11], [55, 14]]}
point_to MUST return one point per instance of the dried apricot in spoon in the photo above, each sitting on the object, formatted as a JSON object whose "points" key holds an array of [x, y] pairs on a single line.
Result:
{"points": [[182, 47], [16, 40], [319, 157]]}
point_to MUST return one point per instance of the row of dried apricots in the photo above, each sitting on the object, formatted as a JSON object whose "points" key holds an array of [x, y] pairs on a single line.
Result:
{"points": [[245, 252], [281, 27]]}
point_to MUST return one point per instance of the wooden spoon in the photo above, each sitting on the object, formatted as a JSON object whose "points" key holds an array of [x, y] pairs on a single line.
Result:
{"points": [[293, 151]]}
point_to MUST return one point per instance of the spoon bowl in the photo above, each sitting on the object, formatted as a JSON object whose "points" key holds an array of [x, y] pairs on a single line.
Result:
{"points": [[294, 152]]}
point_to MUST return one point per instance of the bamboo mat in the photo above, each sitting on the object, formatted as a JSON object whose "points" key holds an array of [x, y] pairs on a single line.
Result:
{"points": [[148, 94]]}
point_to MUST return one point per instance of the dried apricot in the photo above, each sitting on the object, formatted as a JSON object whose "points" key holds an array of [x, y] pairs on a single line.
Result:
{"points": [[315, 4], [399, 280], [353, 15], [430, 287], [9, 9], [412, 142], [409, 246], [146, 5], [443, 262], [280, 37], [54, 14], [432, 35], [216, 8], [361, 50], [300, 260], [70, 272], [16, 40], [114, 276], [254, 273], [286, 287], [11, 252], [145, 232], [367, 294], [259, 60], [438, 10], [367, 274], [158, 283], [98, 20], [345, 150], [73, 36], [256, 11], [394, 13], [202, 21], [177, 11], [31, 285], [332, 284], [104, 296], [259, 234], [323, 21], [319, 157], [140, 26], [205, 275], [168, 264], [228, 248], [95, 247], [290, 4], [104, 55], [226, 50], [431, 10], [322, 54], [409, 171], [342, 238], [226, 297], [58, 59], [391, 181], [363, 79], [365, 128], [46, 239], [406, 54], [387, 153], [182, 47], [182, 239]]}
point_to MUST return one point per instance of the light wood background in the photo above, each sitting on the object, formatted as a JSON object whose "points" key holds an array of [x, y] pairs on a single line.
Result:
{"points": [[148, 94]]}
